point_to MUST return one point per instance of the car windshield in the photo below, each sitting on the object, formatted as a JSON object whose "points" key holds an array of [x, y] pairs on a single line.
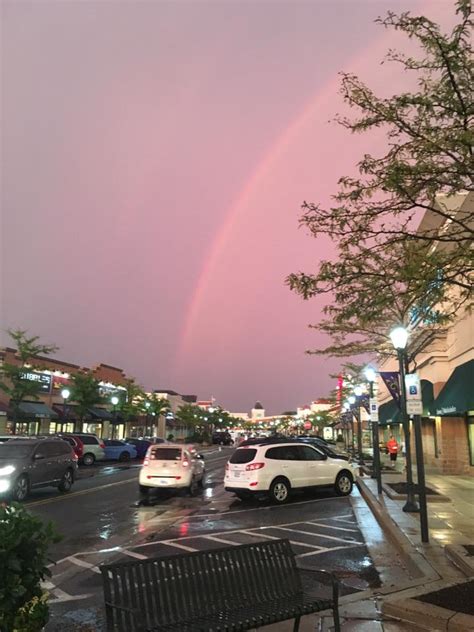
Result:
{"points": [[10, 450], [245, 455], [166, 454]]}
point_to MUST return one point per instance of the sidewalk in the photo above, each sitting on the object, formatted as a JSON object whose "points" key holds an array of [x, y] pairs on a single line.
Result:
{"points": [[394, 607]]}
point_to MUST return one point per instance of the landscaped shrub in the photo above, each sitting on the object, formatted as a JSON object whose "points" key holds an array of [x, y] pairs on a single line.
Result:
{"points": [[24, 543]]}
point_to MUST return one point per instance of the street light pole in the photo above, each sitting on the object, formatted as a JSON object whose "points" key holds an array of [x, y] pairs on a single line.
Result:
{"points": [[147, 406], [65, 394], [115, 400], [399, 337], [352, 400], [358, 393], [371, 375]]}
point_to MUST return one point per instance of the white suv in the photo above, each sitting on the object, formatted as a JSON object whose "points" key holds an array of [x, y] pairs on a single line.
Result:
{"points": [[168, 466], [274, 468]]}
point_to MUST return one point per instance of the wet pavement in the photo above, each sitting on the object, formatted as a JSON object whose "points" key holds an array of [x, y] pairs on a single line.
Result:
{"points": [[102, 522]]}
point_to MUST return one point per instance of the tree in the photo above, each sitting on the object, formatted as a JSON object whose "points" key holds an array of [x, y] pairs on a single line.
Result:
{"points": [[85, 392], [157, 406], [131, 400], [14, 381], [387, 270]]}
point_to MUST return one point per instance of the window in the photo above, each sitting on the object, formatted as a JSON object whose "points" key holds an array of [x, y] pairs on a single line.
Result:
{"points": [[244, 455], [470, 437], [166, 454], [112, 442], [88, 440], [285, 453], [48, 449], [13, 451], [311, 454]]}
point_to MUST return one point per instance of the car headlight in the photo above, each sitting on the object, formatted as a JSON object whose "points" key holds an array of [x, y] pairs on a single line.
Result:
{"points": [[7, 470], [4, 485]]}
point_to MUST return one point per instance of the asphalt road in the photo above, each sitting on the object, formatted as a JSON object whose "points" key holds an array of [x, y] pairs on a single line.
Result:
{"points": [[101, 521]]}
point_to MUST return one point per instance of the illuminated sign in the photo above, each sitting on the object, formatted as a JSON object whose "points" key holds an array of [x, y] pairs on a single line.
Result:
{"points": [[42, 379]]}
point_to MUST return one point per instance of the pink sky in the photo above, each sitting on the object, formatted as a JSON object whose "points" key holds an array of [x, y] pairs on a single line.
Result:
{"points": [[155, 156]]}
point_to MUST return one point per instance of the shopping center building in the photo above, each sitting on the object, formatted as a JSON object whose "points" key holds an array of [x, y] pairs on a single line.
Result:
{"points": [[50, 413]]}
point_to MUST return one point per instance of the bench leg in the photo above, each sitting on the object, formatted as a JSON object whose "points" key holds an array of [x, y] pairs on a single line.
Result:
{"points": [[296, 625], [335, 609]]}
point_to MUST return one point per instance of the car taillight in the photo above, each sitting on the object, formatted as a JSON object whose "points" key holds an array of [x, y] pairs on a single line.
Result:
{"points": [[102, 445], [146, 461], [254, 466]]}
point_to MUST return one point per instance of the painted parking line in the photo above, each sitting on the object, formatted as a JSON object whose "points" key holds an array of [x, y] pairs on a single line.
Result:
{"points": [[177, 545], [331, 526], [83, 563], [335, 548], [56, 499], [327, 537]]}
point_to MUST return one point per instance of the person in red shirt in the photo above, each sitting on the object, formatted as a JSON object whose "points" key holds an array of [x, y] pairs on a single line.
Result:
{"points": [[392, 447]]}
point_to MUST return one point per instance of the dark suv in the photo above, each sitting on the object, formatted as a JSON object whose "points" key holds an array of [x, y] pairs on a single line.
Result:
{"points": [[26, 464]]}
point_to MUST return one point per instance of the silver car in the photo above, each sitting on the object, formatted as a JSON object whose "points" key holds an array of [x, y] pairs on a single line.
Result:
{"points": [[27, 464]]}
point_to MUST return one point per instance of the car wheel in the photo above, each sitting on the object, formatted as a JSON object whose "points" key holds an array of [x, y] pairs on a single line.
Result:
{"points": [[144, 493], [344, 483], [88, 459], [125, 456], [280, 490], [66, 481], [21, 488], [202, 480]]}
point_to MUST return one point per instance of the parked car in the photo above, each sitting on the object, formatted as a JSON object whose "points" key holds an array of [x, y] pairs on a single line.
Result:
{"points": [[171, 466], [94, 448], [26, 464], [141, 445], [222, 438], [325, 448], [116, 450], [4, 438], [76, 444], [275, 467]]}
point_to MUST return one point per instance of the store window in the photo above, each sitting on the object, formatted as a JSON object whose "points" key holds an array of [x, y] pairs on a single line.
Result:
{"points": [[470, 436]]}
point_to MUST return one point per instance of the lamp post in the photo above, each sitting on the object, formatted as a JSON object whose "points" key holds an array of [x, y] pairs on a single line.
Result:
{"points": [[147, 407], [114, 400], [358, 393], [65, 394], [352, 400], [371, 376], [399, 338]]}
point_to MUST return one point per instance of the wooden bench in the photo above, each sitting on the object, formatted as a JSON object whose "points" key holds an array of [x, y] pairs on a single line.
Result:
{"points": [[227, 589]]}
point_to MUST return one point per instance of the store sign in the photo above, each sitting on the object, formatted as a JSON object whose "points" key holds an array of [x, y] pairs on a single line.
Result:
{"points": [[60, 382], [42, 379], [446, 410]]}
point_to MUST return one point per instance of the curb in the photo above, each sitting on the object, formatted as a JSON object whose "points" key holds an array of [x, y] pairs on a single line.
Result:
{"points": [[416, 564]]}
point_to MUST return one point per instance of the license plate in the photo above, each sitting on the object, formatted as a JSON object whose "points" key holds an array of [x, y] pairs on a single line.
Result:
{"points": [[236, 474], [164, 481]]}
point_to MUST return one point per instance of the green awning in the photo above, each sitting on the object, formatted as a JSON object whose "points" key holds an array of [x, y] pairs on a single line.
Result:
{"points": [[389, 413], [457, 395], [35, 410], [427, 397], [100, 413]]}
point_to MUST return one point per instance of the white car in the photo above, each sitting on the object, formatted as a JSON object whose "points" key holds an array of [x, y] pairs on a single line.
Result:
{"points": [[171, 466], [275, 467]]}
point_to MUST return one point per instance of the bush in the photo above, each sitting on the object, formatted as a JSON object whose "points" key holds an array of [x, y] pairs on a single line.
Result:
{"points": [[170, 437], [24, 543]]}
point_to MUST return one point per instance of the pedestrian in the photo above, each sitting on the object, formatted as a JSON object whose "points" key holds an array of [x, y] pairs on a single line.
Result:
{"points": [[392, 447]]}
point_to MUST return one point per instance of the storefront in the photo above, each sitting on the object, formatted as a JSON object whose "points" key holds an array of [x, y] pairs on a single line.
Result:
{"points": [[453, 414], [31, 418], [97, 422]]}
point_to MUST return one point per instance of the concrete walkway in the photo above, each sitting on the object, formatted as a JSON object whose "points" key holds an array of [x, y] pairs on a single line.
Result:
{"points": [[392, 608]]}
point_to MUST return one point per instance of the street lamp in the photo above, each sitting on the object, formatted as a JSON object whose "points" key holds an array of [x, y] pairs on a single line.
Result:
{"points": [[65, 394], [115, 400], [352, 400], [399, 338], [358, 390], [371, 376], [147, 407]]}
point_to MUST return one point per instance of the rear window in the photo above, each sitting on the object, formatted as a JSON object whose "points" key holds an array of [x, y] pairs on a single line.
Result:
{"points": [[166, 454], [88, 440], [245, 455]]}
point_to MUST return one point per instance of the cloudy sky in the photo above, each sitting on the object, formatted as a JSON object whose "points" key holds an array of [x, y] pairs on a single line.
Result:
{"points": [[154, 158]]}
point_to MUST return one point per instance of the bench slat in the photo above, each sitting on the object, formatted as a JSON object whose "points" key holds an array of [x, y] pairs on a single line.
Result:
{"points": [[232, 588]]}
